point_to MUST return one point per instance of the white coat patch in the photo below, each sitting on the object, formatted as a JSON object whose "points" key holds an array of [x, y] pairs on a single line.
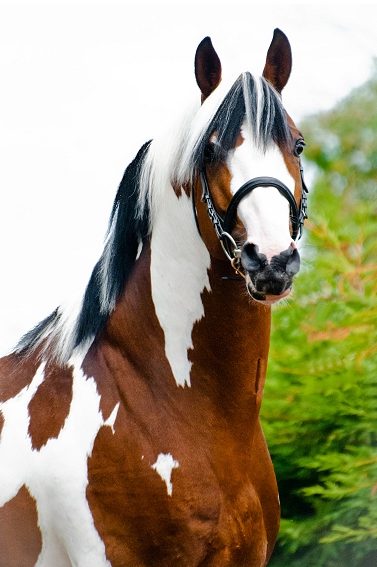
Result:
{"points": [[164, 467], [264, 212], [112, 417], [179, 274], [15, 446], [56, 475]]}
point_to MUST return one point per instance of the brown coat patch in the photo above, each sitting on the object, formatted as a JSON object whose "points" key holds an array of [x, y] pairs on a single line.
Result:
{"points": [[49, 407], [16, 372], [95, 364], [20, 537]]}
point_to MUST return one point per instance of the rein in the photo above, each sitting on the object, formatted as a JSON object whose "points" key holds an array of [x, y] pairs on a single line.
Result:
{"points": [[224, 225]]}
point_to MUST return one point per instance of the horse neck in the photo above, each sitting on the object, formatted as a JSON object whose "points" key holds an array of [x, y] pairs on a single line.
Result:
{"points": [[181, 323]]}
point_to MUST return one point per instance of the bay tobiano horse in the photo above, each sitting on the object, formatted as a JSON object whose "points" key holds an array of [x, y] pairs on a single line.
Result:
{"points": [[130, 433]]}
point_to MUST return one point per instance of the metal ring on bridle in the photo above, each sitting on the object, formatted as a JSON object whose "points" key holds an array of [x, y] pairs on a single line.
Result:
{"points": [[235, 252]]}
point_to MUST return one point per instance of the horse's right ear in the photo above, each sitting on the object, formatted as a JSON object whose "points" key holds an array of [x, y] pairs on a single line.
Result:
{"points": [[279, 61], [207, 67]]}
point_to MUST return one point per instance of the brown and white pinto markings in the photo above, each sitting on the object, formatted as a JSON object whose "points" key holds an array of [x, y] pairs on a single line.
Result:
{"points": [[130, 433]]}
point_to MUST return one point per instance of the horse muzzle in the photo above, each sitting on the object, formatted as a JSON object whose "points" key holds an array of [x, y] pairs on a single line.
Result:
{"points": [[269, 281]]}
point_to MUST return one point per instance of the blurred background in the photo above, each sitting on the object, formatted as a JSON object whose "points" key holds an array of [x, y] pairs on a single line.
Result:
{"points": [[84, 84]]}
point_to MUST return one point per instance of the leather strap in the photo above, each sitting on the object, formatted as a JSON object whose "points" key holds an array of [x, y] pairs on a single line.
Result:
{"points": [[248, 187]]}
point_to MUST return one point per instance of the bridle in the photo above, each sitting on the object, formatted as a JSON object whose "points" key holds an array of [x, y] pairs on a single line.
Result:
{"points": [[224, 225]]}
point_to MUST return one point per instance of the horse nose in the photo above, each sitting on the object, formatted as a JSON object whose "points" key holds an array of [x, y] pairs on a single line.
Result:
{"points": [[270, 277]]}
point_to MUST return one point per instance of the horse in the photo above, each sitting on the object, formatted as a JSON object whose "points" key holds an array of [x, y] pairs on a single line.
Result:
{"points": [[130, 431]]}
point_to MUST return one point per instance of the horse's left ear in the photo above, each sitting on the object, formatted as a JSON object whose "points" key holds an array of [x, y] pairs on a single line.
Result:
{"points": [[278, 61], [207, 67]]}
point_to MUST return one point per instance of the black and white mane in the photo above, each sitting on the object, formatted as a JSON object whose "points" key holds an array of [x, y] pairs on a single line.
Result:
{"points": [[172, 159]]}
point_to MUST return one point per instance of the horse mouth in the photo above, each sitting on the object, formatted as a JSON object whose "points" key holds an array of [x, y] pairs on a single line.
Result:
{"points": [[267, 299]]}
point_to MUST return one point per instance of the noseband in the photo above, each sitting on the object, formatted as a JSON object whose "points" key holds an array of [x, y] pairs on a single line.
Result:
{"points": [[224, 225]]}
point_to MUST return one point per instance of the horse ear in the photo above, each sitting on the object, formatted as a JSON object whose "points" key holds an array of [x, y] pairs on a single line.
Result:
{"points": [[278, 61], [207, 67]]}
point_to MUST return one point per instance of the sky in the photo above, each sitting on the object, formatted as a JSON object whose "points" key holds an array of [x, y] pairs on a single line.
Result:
{"points": [[85, 83]]}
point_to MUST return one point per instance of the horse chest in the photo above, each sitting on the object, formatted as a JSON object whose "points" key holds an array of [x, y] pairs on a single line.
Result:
{"points": [[190, 506]]}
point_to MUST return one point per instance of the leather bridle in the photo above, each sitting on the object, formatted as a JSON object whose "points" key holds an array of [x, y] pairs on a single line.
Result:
{"points": [[224, 225]]}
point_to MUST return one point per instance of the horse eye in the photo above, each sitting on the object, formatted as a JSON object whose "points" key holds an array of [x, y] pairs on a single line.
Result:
{"points": [[299, 147]]}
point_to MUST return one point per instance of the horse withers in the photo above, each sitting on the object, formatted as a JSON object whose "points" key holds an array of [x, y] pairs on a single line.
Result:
{"points": [[130, 433]]}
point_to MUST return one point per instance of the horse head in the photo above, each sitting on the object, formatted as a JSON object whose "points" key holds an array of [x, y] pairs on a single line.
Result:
{"points": [[249, 193]]}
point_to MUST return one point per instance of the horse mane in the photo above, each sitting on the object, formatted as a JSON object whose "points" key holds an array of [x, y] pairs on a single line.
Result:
{"points": [[173, 159], [62, 331]]}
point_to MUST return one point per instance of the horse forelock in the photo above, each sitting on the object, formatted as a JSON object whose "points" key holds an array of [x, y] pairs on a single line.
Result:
{"points": [[251, 99]]}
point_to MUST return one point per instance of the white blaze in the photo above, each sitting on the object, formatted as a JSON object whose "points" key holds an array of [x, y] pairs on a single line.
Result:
{"points": [[264, 212], [164, 467]]}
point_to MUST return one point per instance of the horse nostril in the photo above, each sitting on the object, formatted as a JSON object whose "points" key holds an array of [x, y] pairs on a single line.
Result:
{"points": [[251, 259], [287, 262], [293, 263]]}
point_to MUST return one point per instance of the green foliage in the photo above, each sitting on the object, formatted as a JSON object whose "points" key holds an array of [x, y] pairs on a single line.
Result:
{"points": [[320, 404]]}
